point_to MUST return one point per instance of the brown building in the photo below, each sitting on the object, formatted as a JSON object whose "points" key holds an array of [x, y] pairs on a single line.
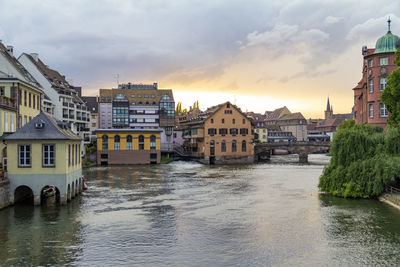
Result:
{"points": [[378, 63], [222, 134]]}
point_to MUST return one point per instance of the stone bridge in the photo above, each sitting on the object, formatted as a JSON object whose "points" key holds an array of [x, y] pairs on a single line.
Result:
{"points": [[262, 152]]}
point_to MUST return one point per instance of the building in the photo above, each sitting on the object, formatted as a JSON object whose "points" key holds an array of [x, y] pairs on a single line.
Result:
{"points": [[330, 115], [43, 153], [378, 63], [139, 106], [92, 103], [67, 106], [294, 123], [221, 134], [128, 146]]}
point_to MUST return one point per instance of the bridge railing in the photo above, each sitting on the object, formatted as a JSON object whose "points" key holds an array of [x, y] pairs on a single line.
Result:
{"points": [[392, 190]]}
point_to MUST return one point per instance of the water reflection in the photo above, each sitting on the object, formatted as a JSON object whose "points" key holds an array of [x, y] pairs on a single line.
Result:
{"points": [[188, 214]]}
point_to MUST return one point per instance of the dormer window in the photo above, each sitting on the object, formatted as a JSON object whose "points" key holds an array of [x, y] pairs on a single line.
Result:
{"points": [[120, 96]]}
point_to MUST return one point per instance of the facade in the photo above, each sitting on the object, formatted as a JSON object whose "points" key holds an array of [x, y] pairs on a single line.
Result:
{"points": [[41, 154], [378, 63], [294, 123], [66, 106], [139, 106], [128, 146], [221, 134], [93, 106]]}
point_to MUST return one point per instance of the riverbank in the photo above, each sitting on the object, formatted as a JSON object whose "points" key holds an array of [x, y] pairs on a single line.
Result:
{"points": [[391, 199]]}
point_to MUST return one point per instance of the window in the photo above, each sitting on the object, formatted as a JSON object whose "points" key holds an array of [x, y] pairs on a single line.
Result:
{"points": [[120, 96], [6, 121], [132, 96], [19, 121], [223, 131], [165, 97], [244, 131], [223, 146], [382, 110], [384, 61], [223, 120], [371, 86], [233, 121], [104, 142], [212, 131], [371, 110], [243, 146], [146, 96], [48, 156], [73, 155], [382, 84], [38, 102], [79, 149], [212, 120], [370, 63], [30, 100], [12, 118], [141, 142], [25, 98], [233, 131], [152, 142], [24, 155], [129, 142], [244, 121], [234, 146], [25, 119], [117, 142], [153, 96], [69, 155], [34, 101], [19, 97]]}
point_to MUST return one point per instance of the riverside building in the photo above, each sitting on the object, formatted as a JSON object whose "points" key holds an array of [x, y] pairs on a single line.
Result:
{"points": [[222, 134], [378, 63], [140, 107], [128, 146]]}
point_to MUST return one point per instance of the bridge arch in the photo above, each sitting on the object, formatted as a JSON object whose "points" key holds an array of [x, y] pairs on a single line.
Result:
{"points": [[23, 194]]}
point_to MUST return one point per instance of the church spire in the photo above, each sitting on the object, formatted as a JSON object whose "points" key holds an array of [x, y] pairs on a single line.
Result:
{"points": [[328, 106]]}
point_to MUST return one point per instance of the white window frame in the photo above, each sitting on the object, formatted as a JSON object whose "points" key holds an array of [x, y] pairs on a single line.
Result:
{"points": [[382, 83], [6, 121], [46, 155], [383, 112], [371, 86], [25, 156], [383, 61], [371, 110]]}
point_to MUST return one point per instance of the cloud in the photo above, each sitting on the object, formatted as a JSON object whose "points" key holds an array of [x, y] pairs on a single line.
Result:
{"points": [[373, 28], [329, 20]]}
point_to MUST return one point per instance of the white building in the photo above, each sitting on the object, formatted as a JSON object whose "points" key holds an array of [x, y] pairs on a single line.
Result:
{"points": [[67, 105]]}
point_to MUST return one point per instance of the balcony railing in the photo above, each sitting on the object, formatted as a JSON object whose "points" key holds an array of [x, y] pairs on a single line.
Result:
{"points": [[5, 101]]}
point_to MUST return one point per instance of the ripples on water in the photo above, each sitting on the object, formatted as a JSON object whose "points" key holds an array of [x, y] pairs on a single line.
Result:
{"points": [[187, 214]]}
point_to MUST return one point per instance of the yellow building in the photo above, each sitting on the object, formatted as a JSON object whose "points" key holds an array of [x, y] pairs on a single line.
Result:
{"points": [[222, 134], [42, 154], [128, 146]]}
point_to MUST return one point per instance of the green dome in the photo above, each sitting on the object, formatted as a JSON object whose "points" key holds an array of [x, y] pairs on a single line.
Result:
{"points": [[387, 43]]}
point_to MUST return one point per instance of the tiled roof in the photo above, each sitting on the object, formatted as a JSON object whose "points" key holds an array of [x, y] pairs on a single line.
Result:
{"points": [[292, 116], [274, 115], [52, 130], [54, 77], [18, 66], [330, 122]]}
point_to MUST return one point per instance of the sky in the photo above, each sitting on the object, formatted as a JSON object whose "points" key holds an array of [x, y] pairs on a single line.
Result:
{"points": [[258, 54]]}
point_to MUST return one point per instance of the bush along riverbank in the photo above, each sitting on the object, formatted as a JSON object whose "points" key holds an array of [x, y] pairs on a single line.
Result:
{"points": [[364, 160]]}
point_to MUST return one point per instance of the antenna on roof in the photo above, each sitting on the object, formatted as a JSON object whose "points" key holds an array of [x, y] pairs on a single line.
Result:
{"points": [[117, 79]]}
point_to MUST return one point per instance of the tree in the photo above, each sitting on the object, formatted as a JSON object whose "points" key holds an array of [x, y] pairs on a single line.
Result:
{"points": [[391, 95]]}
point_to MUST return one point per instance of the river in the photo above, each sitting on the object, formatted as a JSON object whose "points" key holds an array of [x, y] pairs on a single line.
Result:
{"points": [[188, 214]]}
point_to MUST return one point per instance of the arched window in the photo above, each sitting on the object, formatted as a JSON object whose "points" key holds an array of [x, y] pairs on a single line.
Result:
{"points": [[243, 146], [223, 146], [105, 142], [129, 142], [234, 146], [141, 142], [117, 142], [152, 142]]}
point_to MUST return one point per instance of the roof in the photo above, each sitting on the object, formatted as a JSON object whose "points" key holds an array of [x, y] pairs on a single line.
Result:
{"points": [[274, 115], [52, 130], [18, 66], [91, 103], [387, 43], [292, 116], [331, 122], [54, 77]]}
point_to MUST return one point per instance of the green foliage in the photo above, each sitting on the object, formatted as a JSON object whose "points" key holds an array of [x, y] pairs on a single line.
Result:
{"points": [[346, 124], [165, 159], [363, 161], [391, 95]]}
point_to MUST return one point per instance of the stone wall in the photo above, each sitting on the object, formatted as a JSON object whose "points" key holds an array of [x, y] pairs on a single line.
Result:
{"points": [[4, 193]]}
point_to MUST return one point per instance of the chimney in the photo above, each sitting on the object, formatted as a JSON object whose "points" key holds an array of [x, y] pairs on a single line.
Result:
{"points": [[10, 50], [35, 56]]}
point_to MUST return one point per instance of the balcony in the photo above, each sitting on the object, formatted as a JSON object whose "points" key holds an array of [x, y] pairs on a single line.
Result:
{"points": [[7, 102]]}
